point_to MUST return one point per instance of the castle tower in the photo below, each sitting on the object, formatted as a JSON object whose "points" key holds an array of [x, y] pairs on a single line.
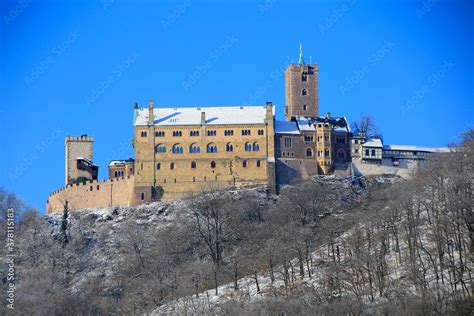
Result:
{"points": [[77, 147], [301, 89]]}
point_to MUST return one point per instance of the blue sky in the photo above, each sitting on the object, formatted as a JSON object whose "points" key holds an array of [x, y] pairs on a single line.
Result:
{"points": [[76, 67]]}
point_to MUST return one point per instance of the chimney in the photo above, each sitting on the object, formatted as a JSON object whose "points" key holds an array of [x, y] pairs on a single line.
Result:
{"points": [[328, 115], [151, 116], [203, 118], [269, 114]]}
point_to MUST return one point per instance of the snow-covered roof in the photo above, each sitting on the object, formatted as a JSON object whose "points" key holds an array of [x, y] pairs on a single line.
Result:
{"points": [[120, 162], [340, 124], [306, 125], [224, 115], [286, 127], [373, 142], [414, 148]]}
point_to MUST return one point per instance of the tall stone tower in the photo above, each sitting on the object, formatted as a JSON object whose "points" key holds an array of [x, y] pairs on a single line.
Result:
{"points": [[77, 147], [301, 89]]}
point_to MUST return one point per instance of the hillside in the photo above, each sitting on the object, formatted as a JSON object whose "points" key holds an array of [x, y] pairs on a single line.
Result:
{"points": [[329, 245]]}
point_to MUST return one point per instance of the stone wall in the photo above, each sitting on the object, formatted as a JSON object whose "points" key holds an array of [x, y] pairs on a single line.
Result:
{"points": [[405, 169], [91, 194]]}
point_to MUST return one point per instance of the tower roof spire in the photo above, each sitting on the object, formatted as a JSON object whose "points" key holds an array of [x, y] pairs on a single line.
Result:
{"points": [[300, 60]]}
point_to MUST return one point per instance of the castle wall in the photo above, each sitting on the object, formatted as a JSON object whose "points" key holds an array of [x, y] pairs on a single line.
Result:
{"points": [[289, 170], [91, 194], [405, 169]]}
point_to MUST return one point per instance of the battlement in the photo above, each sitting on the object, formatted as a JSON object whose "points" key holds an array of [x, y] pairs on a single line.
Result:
{"points": [[92, 193], [82, 138]]}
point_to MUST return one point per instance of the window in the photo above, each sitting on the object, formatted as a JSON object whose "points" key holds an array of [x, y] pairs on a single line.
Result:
{"points": [[193, 165], [172, 166], [373, 152], [308, 138], [326, 138], [244, 163], [177, 133], [211, 148], [320, 153], [246, 132], [160, 148], [258, 163], [304, 92], [303, 77], [341, 154], [211, 133], [256, 147], [356, 141], [248, 147], [194, 133], [304, 107], [97, 187], [356, 151], [142, 196], [326, 153], [319, 139], [367, 152], [177, 149], [213, 164], [158, 166], [116, 174], [141, 166], [194, 149], [143, 133], [260, 132], [91, 188], [287, 142], [340, 140], [194, 179], [229, 147], [309, 152], [228, 132], [159, 134]]}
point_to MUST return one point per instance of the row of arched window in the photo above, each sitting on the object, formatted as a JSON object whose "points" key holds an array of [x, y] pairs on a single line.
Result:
{"points": [[210, 148], [212, 165], [118, 174]]}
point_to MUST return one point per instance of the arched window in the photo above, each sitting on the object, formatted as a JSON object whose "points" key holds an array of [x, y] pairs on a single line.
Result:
{"points": [[341, 154], [158, 166], [258, 163], [256, 146], [213, 164], [248, 147], [177, 149], [160, 148], [211, 148], [309, 152], [193, 165], [172, 165], [244, 163], [142, 196], [115, 173], [194, 149], [229, 147], [304, 92]]}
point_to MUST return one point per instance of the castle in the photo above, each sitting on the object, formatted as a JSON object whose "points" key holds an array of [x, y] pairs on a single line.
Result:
{"points": [[181, 150]]}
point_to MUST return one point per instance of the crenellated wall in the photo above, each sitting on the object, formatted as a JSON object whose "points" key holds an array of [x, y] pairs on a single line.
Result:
{"points": [[92, 194]]}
